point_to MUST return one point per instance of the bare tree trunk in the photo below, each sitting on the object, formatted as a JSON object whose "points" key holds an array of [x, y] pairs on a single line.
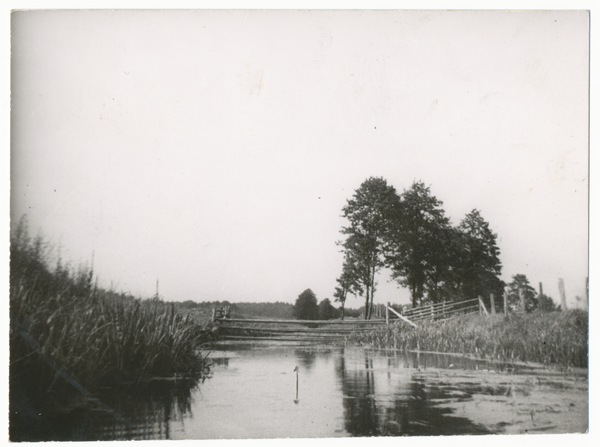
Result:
{"points": [[372, 290], [521, 300], [367, 303]]}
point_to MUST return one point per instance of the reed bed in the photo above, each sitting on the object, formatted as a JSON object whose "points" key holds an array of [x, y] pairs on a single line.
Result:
{"points": [[99, 338], [550, 338]]}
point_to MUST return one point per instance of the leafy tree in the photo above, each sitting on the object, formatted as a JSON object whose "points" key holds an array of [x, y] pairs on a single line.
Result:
{"points": [[347, 284], [520, 282], [415, 253], [306, 306], [340, 296], [442, 281], [368, 212], [478, 265], [326, 310], [546, 304]]}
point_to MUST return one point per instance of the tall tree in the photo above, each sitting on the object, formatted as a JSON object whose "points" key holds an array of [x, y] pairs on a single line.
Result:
{"points": [[415, 249], [546, 303], [306, 306], [326, 310], [479, 264], [368, 212], [347, 283], [520, 282], [443, 257], [340, 296]]}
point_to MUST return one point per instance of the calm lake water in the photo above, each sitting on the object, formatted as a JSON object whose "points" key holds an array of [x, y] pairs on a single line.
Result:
{"points": [[253, 392]]}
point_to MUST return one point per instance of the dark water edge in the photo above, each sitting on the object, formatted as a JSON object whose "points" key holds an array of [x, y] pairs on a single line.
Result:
{"points": [[343, 392], [140, 413]]}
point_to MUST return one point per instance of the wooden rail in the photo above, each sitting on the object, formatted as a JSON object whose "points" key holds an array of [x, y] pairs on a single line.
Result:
{"points": [[291, 330], [334, 330], [400, 316], [444, 310], [303, 322], [325, 331], [280, 338]]}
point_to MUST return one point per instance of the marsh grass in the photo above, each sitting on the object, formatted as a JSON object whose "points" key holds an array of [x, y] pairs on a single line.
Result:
{"points": [[100, 338], [550, 338]]}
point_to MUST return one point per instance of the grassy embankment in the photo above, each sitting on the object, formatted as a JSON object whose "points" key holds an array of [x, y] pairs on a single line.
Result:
{"points": [[60, 321], [549, 338]]}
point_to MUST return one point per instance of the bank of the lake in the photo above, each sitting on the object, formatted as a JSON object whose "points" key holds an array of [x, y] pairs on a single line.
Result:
{"points": [[549, 338], [69, 339]]}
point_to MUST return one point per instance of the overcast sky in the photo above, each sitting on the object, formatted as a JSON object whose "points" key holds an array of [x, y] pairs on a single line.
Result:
{"points": [[214, 151]]}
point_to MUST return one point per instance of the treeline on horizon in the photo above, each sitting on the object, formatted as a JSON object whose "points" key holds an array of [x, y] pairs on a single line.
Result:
{"points": [[410, 234], [274, 310]]}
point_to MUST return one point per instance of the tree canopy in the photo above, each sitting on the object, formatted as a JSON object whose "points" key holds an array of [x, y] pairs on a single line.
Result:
{"points": [[481, 264], [306, 306], [410, 234], [368, 212], [326, 310], [520, 282], [416, 252], [347, 283]]}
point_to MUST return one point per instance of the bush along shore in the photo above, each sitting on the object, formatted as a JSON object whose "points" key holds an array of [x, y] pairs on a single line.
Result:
{"points": [[550, 338], [69, 338]]}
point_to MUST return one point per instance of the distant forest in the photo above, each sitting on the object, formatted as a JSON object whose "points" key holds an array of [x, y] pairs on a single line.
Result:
{"points": [[277, 310]]}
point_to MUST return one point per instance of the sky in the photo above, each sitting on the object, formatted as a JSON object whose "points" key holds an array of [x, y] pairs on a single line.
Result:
{"points": [[213, 151]]}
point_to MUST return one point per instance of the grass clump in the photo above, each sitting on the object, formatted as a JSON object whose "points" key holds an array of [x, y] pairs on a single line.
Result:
{"points": [[550, 338], [99, 338]]}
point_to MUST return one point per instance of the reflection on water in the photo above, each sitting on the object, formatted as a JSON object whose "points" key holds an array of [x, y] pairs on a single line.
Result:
{"points": [[260, 391], [382, 397], [306, 358], [145, 413]]}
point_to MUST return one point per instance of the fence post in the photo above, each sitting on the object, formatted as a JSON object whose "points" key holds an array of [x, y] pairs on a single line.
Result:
{"points": [[587, 293], [493, 308], [505, 296], [214, 316], [482, 307], [563, 297], [387, 314]]}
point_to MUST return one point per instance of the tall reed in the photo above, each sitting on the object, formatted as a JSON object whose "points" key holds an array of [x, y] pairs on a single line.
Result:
{"points": [[99, 338], [551, 338]]}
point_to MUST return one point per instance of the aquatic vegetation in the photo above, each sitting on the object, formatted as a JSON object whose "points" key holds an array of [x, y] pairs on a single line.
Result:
{"points": [[63, 326], [551, 338]]}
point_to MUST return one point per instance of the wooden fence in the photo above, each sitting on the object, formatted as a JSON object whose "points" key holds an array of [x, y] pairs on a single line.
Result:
{"points": [[291, 330], [335, 330], [445, 310]]}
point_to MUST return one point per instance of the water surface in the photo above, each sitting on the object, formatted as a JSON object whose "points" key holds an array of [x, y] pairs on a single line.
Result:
{"points": [[254, 392]]}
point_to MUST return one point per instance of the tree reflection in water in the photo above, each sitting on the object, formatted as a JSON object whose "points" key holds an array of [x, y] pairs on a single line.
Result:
{"points": [[306, 358], [386, 400]]}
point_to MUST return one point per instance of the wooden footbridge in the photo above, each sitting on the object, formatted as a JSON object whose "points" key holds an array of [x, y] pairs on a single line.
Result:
{"points": [[324, 331]]}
